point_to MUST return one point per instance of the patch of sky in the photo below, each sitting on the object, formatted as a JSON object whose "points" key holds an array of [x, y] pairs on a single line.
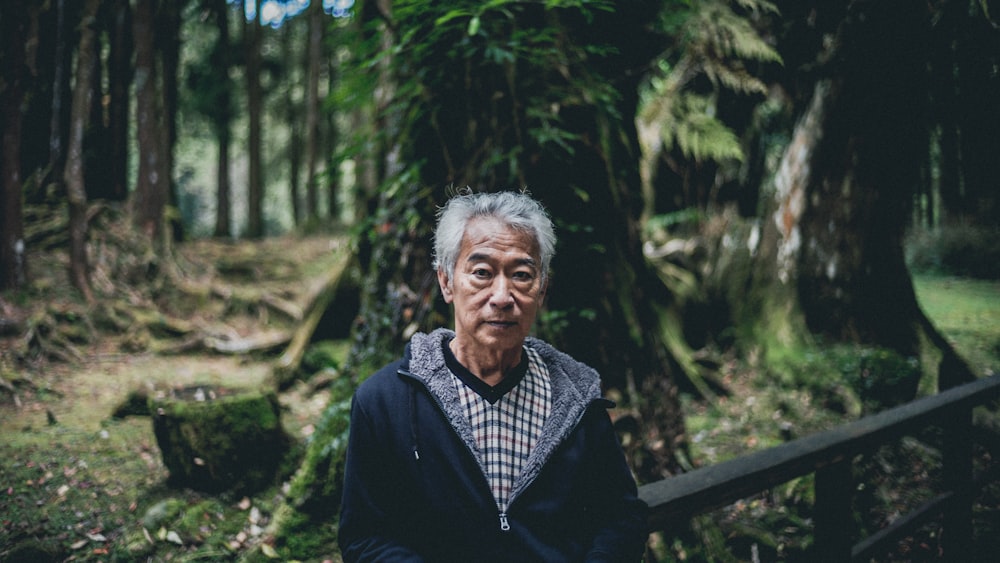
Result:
{"points": [[274, 12]]}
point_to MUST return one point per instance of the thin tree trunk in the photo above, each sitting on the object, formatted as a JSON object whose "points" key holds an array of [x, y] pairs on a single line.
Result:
{"points": [[293, 117], [255, 196], [13, 266], [74, 174], [223, 132], [61, 94], [168, 37], [315, 50], [120, 78], [151, 191], [330, 145]]}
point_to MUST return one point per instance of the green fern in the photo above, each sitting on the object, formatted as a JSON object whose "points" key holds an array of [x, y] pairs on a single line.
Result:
{"points": [[716, 43], [701, 136]]}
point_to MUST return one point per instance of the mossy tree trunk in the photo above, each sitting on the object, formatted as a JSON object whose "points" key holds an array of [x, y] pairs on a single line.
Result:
{"points": [[538, 98], [832, 239]]}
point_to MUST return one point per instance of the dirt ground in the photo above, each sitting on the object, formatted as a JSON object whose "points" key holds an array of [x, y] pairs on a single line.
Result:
{"points": [[81, 484]]}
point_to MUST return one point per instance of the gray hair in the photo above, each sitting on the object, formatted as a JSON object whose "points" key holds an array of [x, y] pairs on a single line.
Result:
{"points": [[517, 210]]}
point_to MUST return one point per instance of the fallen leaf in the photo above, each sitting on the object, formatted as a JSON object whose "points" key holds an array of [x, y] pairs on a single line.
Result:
{"points": [[269, 551], [172, 537], [78, 544]]}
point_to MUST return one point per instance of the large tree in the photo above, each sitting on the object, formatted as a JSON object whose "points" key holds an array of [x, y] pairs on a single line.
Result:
{"points": [[831, 246], [512, 96]]}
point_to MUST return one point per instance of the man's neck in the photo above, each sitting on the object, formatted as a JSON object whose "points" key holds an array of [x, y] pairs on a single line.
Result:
{"points": [[491, 367]]}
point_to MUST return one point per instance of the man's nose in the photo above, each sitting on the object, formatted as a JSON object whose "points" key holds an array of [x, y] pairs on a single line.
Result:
{"points": [[502, 297]]}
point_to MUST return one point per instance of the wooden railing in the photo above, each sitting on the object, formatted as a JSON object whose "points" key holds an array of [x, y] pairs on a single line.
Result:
{"points": [[829, 454]]}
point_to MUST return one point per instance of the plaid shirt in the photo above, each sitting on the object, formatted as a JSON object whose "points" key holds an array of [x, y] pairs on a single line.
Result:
{"points": [[506, 419]]}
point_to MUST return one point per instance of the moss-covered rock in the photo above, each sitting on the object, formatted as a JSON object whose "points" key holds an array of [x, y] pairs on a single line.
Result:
{"points": [[219, 440]]}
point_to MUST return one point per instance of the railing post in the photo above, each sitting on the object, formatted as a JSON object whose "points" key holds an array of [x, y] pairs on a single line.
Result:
{"points": [[957, 453], [833, 522]]}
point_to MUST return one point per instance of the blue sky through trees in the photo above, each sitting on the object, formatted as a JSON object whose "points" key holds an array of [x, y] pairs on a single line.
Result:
{"points": [[274, 12]]}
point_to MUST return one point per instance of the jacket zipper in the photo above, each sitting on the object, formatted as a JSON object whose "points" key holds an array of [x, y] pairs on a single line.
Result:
{"points": [[504, 523]]}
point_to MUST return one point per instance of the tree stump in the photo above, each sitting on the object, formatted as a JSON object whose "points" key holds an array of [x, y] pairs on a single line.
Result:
{"points": [[214, 439]]}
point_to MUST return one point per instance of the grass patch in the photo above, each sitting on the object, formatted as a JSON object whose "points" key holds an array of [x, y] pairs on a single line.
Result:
{"points": [[967, 312]]}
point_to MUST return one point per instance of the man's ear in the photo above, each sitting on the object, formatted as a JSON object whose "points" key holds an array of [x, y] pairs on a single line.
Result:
{"points": [[445, 284]]}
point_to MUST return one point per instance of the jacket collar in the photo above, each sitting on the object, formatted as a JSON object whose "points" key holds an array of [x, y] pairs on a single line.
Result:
{"points": [[575, 387]]}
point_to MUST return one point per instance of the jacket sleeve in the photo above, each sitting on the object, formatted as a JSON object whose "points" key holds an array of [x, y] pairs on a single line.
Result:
{"points": [[622, 532], [365, 530]]}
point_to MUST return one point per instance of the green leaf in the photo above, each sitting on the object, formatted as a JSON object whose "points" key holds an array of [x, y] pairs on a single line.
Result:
{"points": [[450, 16], [473, 26]]}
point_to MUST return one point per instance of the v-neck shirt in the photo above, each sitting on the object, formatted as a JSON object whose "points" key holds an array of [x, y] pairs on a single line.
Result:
{"points": [[506, 418]]}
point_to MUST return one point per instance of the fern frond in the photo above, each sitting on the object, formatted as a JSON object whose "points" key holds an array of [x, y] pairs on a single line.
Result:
{"points": [[701, 136], [737, 79], [728, 34]]}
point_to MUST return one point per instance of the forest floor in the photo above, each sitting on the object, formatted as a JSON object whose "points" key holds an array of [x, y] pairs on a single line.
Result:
{"points": [[76, 482], [79, 484]]}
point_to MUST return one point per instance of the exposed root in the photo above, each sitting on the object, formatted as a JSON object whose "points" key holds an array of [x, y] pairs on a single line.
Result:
{"points": [[219, 297]]}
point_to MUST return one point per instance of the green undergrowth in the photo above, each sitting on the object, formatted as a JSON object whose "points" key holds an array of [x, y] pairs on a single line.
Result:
{"points": [[809, 389]]}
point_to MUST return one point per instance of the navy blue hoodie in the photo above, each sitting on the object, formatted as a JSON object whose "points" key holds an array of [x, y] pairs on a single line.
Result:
{"points": [[414, 489]]}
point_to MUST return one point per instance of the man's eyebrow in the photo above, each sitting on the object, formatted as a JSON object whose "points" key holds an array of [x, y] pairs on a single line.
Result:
{"points": [[477, 256]]}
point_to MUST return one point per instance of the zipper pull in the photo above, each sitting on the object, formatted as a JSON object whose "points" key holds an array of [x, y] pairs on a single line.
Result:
{"points": [[416, 453], [504, 525]]}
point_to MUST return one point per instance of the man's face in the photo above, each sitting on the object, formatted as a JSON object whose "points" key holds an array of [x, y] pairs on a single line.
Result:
{"points": [[497, 288]]}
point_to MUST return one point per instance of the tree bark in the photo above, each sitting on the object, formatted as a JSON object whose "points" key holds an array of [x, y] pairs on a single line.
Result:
{"points": [[74, 174], [221, 119], [845, 186], [293, 117], [255, 185], [61, 94], [315, 52], [168, 39], [152, 185], [13, 263], [120, 79]]}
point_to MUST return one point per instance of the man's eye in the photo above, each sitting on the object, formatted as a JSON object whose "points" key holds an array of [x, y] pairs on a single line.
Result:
{"points": [[481, 273], [523, 276]]}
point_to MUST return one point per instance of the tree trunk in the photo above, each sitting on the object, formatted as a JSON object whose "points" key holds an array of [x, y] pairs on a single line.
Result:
{"points": [[221, 120], [120, 78], [255, 187], [315, 52], [13, 265], [152, 185], [330, 140], [478, 127], [293, 117], [74, 174], [168, 39], [61, 98], [978, 85], [845, 186]]}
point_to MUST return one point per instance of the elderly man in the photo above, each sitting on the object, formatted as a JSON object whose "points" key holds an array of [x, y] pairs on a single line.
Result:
{"points": [[483, 443]]}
